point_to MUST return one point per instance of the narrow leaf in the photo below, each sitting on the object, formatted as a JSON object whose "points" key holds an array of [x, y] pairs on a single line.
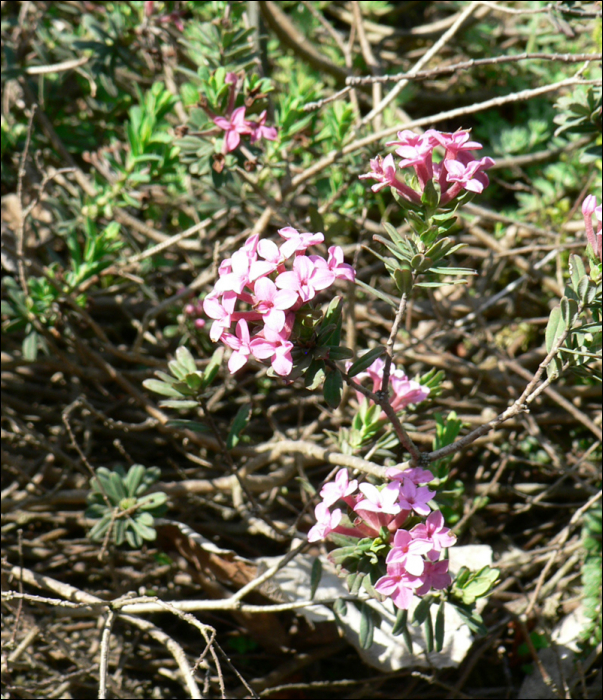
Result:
{"points": [[555, 327], [333, 389], [380, 295], [421, 611], [160, 387], [400, 623], [439, 628], [213, 367], [239, 424], [340, 608], [366, 360], [367, 627], [315, 577], [186, 360], [428, 628]]}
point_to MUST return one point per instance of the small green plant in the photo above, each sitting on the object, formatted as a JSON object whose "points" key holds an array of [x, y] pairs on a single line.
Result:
{"points": [[591, 578], [118, 502], [44, 294]]}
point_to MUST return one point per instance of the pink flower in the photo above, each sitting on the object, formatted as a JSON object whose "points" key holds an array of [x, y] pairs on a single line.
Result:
{"points": [[298, 242], [340, 488], [468, 175], [326, 522], [238, 277], [406, 391], [240, 345], [454, 143], [259, 130], [398, 585], [415, 497], [220, 312], [384, 171], [419, 155], [407, 138], [434, 531], [270, 252], [234, 127], [380, 501], [415, 474], [273, 303], [337, 266], [408, 552], [435, 575], [269, 343], [459, 170], [306, 278], [589, 207]]}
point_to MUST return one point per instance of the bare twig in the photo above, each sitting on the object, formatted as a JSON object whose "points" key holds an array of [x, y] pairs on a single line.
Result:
{"points": [[21, 225], [530, 393], [74, 594], [473, 63], [371, 62]]}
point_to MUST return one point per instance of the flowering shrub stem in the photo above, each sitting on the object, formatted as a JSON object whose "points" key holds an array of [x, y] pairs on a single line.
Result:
{"points": [[383, 401], [390, 343]]}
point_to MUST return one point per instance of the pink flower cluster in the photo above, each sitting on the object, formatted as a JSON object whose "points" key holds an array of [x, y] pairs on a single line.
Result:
{"points": [[257, 275], [590, 207], [405, 390], [459, 170], [413, 566], [236, 125]]}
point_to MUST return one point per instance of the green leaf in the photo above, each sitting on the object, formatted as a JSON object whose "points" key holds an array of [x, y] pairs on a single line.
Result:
{"points": [[586, 292], [453, 271], [117, 485], [30, 346], [407, 639], [400, 623], [439, 628], [147, 533], [98, 530], [177, 369], [428, 628], [239, 424], [339, 353], [380, 295], [152, 501], [367, 627], [315, 577], [421, 611], [160, 387], [555, 328], [179, 403], [569, 311], [333, 389], [133, 538], [119, 531], [340, 608], [213, 367], [577, 270], [403, 278], [134, 479], [167, 378], [397, 238], [186, 360], [366, 360], [314, 375]]}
